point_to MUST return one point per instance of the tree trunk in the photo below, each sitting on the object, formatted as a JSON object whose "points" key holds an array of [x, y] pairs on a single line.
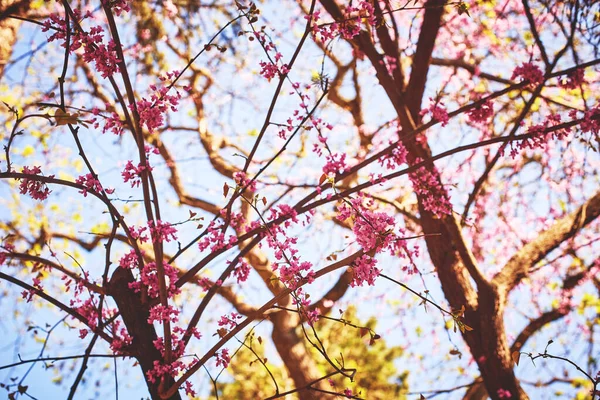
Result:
{"points": [[9, 28], [296, 358], [135, 315]]}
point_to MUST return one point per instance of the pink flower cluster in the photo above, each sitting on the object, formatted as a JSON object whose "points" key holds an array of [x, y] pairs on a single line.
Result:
{"points": [[529, 72], [302, 300], [504, 394], [149, 279], [291, 269], [37, 284], [373, 230], [350, 24], [133, 174], [591, 120], [88, 311], [242, 180], [540, 136], [438, 112], [121, 339], [396, 158], [112, 123], [94, 50], [162, 231], [161, 314], [118, 6], [35, 188], [152, 110], [270, 70], [9, 247], [161, 370], [574, 80], [482, 113], [215, 238], [364, 270], [91, 183], [223, 358], [242, 271], [434, 196], [229, 321], [336, 163], [129, 260]]}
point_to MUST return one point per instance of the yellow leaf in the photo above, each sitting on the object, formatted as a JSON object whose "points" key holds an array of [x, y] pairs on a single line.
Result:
{"points": [[515, 357], [28, 150], [64, 118]]}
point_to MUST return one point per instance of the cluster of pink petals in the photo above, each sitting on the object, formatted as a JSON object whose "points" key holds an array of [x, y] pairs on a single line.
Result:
{"points": [[104, 56], [112, 123], [118, 6], [34, 188], [242, 180], [529, 72], [482, 113], [91, 183], [438, 112], [229, 321], [133, 174], [149, 279], [364, 271], [353, 18], [215, 238], [336, 163], [223, 358], [574, 80], [161, 314], [434, 197], [162, 231], [270, 70]]}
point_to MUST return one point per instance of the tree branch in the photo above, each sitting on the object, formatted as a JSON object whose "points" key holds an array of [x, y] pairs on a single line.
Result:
{"points": [[564, 229]]}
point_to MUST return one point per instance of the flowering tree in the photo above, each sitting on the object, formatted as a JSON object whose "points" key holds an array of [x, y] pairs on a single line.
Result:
{"points": [[179, 175]]}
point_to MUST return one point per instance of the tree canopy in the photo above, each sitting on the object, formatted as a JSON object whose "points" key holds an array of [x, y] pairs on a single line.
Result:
{"points": [[305, 199]]}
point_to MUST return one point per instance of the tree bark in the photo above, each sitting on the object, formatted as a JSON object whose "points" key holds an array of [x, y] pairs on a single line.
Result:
{"points": [[135, 316], [298, 361], [9, 28]]}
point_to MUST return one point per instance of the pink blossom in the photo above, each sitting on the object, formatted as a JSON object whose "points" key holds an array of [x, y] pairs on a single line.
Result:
{"points": [[160, 314], [364, 270], [91, 183], [149, 278], [241, 272], [223, 358], [189, 389], [153, 109], [133, 174], [529, 72], [434, 196], [36, 189], [112, 124], [229, 321], [574, 80], [159, 370], [591, 121], [242, 180], [482, 113], [129, 260], [103, 55], [162, 231], [504, 394], [118, 6], [270, 70], [336, 163], [438, 112]]}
